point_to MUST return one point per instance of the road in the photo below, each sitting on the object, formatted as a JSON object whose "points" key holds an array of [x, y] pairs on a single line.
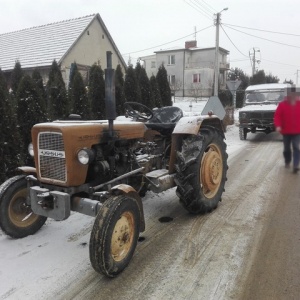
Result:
{"points": [[248, 248]]}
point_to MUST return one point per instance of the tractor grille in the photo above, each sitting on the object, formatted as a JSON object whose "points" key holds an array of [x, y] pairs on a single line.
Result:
{"points": [[51, 151]]}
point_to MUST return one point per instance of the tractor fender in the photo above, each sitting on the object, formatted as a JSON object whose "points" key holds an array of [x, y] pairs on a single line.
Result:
{"points": [[132, 193], [27, 170], [191, 125]]}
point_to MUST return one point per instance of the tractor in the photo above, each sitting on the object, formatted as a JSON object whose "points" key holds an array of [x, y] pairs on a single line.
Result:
{"points": [[103, 168]]}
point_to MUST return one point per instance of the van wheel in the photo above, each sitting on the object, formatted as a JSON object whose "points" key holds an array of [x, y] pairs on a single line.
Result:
{"points": [[243, 133]]}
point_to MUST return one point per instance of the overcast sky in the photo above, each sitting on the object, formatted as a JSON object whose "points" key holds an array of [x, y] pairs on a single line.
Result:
{"points": [[136, 25]]}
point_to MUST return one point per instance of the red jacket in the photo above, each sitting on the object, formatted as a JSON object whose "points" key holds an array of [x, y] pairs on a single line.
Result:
{"points": [[287, 117]]}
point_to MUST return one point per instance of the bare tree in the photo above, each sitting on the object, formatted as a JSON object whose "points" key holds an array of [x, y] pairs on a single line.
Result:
{"points": [[196, 90], [175, 87]]}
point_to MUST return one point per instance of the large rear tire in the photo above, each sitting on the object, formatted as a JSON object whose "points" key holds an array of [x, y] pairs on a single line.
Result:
{"points": [[201, 170], [16, 217], [114, 235]]}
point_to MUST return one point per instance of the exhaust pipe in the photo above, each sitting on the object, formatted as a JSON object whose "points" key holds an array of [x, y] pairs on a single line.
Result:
{"points": [[110, 99]]}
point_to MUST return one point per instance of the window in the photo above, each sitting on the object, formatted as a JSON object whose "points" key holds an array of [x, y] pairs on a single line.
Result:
{"points": [[171, 79], [171, 60], [153, 64], [196, 78]]}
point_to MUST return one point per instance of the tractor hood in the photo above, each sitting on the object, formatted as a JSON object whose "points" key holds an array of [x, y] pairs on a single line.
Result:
{"points": [[56, 145], [91, 132]]}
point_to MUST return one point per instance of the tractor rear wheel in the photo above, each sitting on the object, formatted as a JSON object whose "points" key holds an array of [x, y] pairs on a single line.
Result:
{"points": [[201, 170], [114, 235]]}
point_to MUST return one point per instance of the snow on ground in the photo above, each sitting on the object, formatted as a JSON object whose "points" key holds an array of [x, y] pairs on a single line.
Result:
{"points": [[24, 272]]}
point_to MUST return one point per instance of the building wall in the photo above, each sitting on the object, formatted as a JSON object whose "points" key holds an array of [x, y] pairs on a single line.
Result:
{"points": [[150, 65], [187, 63], [89, 49]]}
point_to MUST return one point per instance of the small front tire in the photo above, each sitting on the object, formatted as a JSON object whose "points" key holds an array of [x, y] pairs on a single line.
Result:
{"points": [[16, 217], [114, 235]]}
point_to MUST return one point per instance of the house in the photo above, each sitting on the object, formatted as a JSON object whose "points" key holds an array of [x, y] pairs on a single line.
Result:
{"points": [[82, 40], [190, 69]]}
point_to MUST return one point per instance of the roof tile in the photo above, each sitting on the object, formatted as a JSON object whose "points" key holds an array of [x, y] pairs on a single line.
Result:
{"points": [[39, 46]]}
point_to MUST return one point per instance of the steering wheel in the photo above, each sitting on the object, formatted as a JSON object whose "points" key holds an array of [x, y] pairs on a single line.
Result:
{"points": [[138, 111]]}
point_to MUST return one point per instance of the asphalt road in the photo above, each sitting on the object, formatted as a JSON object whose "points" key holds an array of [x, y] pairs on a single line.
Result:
{"points": [[248, 248]]}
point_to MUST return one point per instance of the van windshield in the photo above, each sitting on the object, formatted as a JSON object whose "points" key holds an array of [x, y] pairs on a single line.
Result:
{"points": [[264, 96]]}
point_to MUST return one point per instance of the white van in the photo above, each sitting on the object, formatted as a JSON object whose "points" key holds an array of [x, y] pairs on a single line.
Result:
{"points": [[260, 103]]}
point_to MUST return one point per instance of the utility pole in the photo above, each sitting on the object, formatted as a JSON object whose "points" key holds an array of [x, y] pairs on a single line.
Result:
{"points": [[254, 60], [297, 76], [217, 64], [253, 63]]}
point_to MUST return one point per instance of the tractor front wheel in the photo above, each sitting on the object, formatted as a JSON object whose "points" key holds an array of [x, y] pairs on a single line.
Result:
{"points": [[16, 217], [114, 235]]}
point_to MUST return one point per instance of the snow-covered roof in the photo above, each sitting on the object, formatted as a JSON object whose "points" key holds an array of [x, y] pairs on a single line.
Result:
{"points": [[267, 86], [39, 46]]}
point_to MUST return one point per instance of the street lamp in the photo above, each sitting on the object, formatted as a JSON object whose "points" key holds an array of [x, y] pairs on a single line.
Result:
{"points": [[217, 67]]}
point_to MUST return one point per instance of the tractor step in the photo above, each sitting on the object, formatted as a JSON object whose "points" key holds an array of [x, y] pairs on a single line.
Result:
{"points": [[160, 180]]}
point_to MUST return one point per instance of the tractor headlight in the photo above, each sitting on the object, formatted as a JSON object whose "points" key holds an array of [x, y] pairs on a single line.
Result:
{"points": [[30, 149], [85, 156]]}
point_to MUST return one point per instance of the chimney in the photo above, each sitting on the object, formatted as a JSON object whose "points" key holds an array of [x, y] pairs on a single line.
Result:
{"points": [[190, 44]]}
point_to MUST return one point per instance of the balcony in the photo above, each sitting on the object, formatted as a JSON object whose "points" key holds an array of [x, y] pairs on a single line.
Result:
{"points": [[209, 65], [224, 66]]}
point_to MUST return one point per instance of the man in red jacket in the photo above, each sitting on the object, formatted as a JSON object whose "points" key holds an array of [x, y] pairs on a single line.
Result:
{"points": [[287, 122]]}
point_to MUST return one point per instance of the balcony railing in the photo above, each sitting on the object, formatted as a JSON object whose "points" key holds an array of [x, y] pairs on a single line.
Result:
{"points": [[209, 65]]}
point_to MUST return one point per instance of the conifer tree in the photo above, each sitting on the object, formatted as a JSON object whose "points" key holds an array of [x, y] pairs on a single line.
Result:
{"points": [[137, 70], [16, 77], [144, 83], [131, 87], [73, 71], [9, 138], [96, 93], [155, 92], [57, 100], [39, 85], [29, 111], [164, 87], [120, 96], [79, 97]]}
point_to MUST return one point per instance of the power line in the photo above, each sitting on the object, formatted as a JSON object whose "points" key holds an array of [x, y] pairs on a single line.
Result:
{"points": [[213, 9], [276, 62], [277, 32], [207, 9], [236, 60], [194, 7], [233, 42], [168, 42], [199, 6], [293, 46]]}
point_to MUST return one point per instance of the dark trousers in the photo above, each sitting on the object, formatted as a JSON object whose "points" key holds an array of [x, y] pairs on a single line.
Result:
{"points": [[294, 140]]}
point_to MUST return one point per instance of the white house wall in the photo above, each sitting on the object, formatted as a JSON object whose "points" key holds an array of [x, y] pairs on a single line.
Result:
{"points": [[204, 87], [187, 63]]}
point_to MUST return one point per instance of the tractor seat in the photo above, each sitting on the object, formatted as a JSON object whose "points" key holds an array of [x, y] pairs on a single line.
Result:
{"points": [[164, 119]]}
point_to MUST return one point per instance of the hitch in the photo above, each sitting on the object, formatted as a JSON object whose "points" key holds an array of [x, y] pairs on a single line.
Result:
{"points": [[47, 200]]}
